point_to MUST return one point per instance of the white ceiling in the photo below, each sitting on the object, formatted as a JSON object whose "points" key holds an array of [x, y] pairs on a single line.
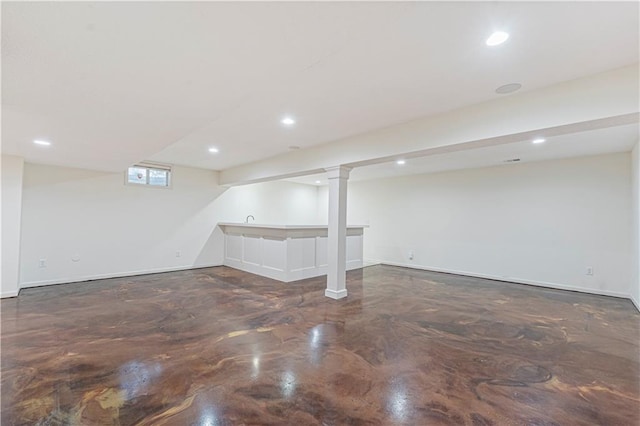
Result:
{"points": [[602, 141], [113, 83]]}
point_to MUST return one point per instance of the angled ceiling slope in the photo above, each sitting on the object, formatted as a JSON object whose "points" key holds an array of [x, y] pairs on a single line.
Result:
{"points": [[113, 83], [593, 142], [596, 102]]}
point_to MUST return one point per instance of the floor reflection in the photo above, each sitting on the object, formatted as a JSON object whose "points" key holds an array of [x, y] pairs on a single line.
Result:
{"points": [[216, 346]]}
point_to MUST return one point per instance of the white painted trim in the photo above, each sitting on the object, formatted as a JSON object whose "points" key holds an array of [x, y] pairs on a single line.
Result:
{"points": [[338, 172], [282, 275], [114, 275], [512, 280], [286, 273], [257, 269], [8, 294], [335, 294], [367, 262]]}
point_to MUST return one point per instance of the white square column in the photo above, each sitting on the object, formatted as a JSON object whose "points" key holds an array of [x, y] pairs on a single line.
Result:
{"points": [[337, 232]]}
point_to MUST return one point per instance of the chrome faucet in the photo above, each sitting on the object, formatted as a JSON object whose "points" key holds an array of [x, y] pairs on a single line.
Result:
{"points": [[247, 219]]}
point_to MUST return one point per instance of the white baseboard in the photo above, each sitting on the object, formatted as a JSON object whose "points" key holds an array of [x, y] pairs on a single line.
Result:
{"points": [[512, 280], [9, 294], [335, 294], [367, 262], [113, 275]]}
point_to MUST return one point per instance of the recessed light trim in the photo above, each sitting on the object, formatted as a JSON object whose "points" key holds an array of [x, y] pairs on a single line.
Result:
{"points": [[214, 150], [497, 38], [318, 182], [401, 162], [42, 142], [508, 88], [288, 121], [539, 140]]}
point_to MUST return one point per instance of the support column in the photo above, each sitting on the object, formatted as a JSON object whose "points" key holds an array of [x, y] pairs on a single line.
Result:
{"points": [[337, 233]]}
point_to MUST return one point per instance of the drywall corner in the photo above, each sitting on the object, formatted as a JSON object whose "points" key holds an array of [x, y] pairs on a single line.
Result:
{"points": [[635, 218], [12, 172]]}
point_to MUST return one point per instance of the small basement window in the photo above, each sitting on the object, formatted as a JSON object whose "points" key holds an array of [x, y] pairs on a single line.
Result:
{"points": [[156, 175]]}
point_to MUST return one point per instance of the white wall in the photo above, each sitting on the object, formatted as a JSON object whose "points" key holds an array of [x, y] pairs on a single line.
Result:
{"points": [[635, 251], [116, 229], [277, 203], [540, 223], [12, 168]]}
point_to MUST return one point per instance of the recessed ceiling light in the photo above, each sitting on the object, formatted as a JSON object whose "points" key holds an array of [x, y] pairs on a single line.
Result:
{"points": [[400, 162], [539, 140], [318, 182], [42, 143], [508, 88], [214, 150], [288, 121], [497, 38]]}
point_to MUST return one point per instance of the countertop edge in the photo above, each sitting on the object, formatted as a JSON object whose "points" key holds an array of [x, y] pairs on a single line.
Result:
{"points": [[268, 226]]}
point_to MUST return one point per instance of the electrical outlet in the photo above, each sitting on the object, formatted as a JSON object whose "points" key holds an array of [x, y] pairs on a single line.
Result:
{"points": [[410, 254], [589, 270], [178, 254], [42, 263]]}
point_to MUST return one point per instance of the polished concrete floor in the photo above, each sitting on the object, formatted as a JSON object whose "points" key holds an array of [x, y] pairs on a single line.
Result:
{"points": [[221, 347]]}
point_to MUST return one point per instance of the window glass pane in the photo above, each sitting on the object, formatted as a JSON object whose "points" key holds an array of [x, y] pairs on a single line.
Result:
{"points": [[137, 175], [158, 177]]}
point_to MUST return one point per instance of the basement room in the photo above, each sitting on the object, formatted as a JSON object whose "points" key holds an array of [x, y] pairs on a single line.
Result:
{"points": [[320, 213]]}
